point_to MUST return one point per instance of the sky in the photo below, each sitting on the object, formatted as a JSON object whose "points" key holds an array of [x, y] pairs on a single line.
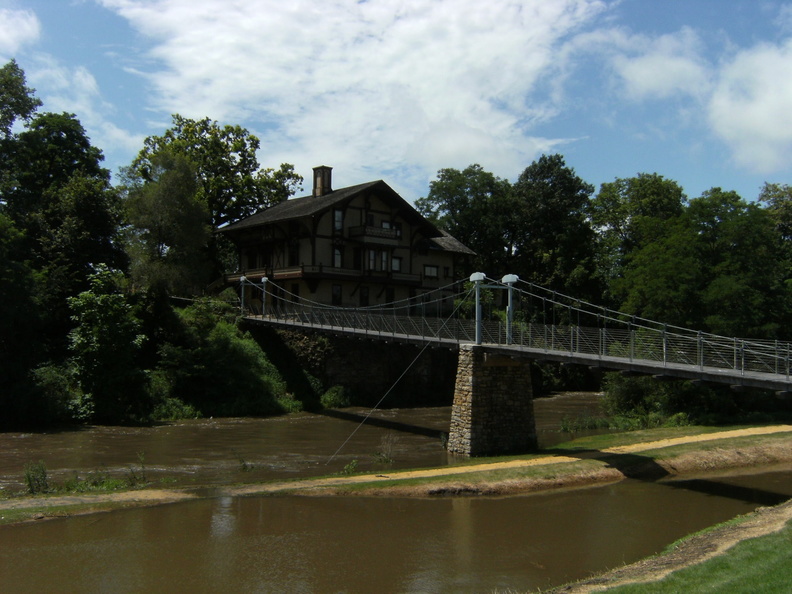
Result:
{"points": [[698, 91]]}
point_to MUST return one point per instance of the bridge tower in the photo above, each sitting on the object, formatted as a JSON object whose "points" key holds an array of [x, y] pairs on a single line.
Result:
{"points": [[493, 404]]}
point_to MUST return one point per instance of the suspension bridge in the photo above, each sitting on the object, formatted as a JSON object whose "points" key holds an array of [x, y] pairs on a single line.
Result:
{"points": [[542, 325]]}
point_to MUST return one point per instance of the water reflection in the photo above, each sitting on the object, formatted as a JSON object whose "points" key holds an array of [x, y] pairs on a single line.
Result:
{"points": [[360, 544]]}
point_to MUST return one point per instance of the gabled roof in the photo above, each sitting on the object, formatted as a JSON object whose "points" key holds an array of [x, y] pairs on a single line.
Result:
{"points": [[296, 208], [450, 243]]}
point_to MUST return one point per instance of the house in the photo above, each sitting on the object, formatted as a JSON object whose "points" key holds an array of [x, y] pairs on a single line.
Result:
{"points": [[353, 247]]}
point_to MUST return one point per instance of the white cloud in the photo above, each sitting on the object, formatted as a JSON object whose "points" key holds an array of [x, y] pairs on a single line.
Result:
{"points": [[416, 84], [751, 106], [75, 90], [17, 28], [663, 67]]}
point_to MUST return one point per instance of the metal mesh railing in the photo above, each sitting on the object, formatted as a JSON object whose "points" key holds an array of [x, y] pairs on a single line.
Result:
{"points": [[607, 335]]}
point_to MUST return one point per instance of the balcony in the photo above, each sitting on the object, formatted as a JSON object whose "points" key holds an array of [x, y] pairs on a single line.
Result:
{"points": [[375, 235]]}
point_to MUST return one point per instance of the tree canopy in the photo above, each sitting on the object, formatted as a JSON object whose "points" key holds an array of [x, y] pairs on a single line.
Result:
{"points": [[230, 182]]}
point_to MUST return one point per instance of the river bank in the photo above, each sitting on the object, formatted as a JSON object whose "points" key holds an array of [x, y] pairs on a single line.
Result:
{"points": [[576, 464], [650, 456]]}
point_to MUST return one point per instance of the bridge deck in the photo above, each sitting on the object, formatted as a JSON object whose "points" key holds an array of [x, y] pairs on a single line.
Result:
{"points": [[736, 363]]}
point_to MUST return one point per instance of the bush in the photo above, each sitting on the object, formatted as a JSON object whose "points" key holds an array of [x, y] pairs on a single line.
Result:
{"points": [[219, 370], [62, 399], [36, 478], [335, 397]]}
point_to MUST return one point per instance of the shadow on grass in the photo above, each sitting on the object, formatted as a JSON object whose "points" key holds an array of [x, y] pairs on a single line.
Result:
{"points": [[644, 468]]}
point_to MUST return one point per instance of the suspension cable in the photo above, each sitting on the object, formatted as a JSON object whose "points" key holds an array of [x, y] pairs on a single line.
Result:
{"points": [[376, 406]]}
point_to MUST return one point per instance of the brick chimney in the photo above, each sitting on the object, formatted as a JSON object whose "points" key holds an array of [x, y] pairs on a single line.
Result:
{"points": [[322, 182]]}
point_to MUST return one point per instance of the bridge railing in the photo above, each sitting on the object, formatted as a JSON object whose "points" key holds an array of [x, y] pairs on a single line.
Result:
{"points": [[629, 342]]}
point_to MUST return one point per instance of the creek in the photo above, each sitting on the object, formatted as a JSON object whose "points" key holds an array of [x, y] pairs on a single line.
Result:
{"points": [[341, 544]]}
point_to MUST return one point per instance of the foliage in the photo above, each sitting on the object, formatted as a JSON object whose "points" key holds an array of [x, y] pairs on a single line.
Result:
{"points": [[350, 468], [715, 267], [555, 243], [36, 478], [17, 100], [61, 397], [43, 158], [169, 233], [336, 397], [219, 370], [651, 403], [20, 322], [231, 184], [476, 208], [104, 345], [629, 212]]}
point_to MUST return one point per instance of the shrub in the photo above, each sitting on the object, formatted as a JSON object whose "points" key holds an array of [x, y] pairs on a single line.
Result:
{"points": [[335, 397], [36, 477]]}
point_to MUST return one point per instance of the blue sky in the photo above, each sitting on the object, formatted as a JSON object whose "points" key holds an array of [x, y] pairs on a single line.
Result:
{"points": [[699, 91]]}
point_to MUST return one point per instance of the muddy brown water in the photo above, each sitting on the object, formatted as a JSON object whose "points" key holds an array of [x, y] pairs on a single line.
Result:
{"points": [[338, 544], [233, 450]]}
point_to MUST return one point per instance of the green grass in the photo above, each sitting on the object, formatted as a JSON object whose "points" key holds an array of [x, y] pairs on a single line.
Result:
{"points": [[757, 565]]}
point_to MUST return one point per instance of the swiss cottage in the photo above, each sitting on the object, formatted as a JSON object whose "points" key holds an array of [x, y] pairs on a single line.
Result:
{"points": [[353, 247]]}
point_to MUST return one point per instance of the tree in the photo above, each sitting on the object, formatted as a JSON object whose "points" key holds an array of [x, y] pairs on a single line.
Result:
{"points": [[629, 212], [52, 149], [19, 318], [169, 233], [715, 267], [17, 100], [231, 185], [105, 344], [554, 241], [474, 206]]}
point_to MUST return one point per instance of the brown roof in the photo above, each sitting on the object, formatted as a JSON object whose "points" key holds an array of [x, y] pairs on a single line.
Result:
{"points": [[296, 208]]}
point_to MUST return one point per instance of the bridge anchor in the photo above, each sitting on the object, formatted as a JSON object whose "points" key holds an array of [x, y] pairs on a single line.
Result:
{"points": [[493, 404]]}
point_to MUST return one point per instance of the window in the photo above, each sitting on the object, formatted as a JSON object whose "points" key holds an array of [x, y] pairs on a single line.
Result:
{"points": [[357, 262], [336, 298], [338, 220], [338, 258], [372, 260], [386, 225], [384, 260], [364, 296], [369, 220], [431, 271], [398, 228], [294, 253], [447, 272], [396, 262]]}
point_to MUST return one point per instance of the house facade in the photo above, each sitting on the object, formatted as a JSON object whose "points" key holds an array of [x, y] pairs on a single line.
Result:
{"points": [[354, 247]]}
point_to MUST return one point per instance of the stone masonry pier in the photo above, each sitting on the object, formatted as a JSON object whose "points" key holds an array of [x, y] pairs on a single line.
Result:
{"points": [[493, 404]]}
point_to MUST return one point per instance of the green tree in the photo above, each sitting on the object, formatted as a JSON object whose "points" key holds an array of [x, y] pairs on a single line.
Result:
{"points": [[715, 267], [474, 206], [105, 345], [51, 150], [554, 240], [629, 212], [169, 232], [19, 319], [218, 369], [17, 100], [231, 184]]}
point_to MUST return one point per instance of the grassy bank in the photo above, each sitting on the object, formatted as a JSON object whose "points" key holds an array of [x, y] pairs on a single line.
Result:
{"points": [[751, 553]]}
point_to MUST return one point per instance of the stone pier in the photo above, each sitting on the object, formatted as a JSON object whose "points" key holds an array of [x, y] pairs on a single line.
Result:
{"points": [[493, 404]]}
